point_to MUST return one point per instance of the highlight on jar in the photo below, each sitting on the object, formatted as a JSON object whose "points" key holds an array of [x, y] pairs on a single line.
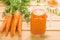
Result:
{"points": [[38, 22]]}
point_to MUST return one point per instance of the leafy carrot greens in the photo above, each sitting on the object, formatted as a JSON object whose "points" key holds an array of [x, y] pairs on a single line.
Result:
{"points": [[19, 5]]}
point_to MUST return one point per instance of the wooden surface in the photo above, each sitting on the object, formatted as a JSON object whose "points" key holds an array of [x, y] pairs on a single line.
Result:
{"points": [[26, 35]]}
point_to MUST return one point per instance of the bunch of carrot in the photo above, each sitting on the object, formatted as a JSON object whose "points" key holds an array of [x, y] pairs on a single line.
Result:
{"points": [[12, 22], [13, 16]]}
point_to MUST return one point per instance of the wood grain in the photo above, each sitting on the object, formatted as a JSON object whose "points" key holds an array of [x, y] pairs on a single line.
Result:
{"points": [[49, 35]]}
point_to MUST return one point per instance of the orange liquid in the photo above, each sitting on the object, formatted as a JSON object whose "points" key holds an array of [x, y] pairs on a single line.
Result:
{"points": [[38, 23], [52, 3]]}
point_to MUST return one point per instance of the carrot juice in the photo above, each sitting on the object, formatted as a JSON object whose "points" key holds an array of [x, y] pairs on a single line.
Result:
{"points": [[52, 3], [38, 21]]}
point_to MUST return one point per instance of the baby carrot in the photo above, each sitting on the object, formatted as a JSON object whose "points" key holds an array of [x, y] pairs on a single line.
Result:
{"points": [[3, 24], [19, 27], [14, 22], [8, 24]]}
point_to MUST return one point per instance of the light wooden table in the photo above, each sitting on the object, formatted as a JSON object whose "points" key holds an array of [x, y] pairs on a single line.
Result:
{"points": [[26, 35]]}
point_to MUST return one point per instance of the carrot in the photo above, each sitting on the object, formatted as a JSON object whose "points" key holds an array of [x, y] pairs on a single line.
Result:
{"points": [[3, 24], [8, 24], [19, 27], [14, 22]]}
